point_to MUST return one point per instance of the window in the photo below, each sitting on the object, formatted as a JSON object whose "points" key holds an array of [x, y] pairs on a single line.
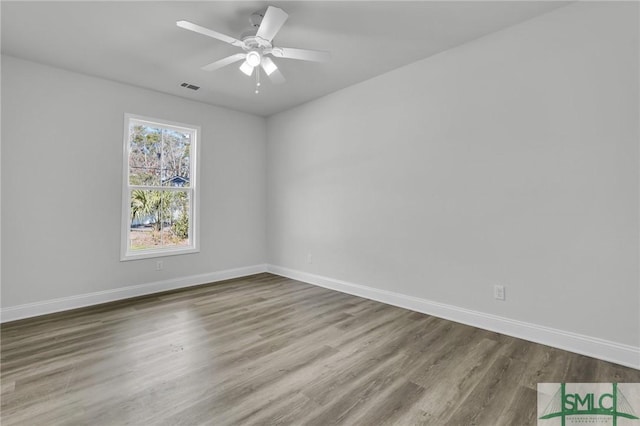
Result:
{"points": [[160, 188]]}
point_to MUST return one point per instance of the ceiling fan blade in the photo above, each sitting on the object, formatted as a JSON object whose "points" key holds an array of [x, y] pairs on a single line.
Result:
{"points": [[224, 62], [272, 71], [271, 23], [210, 33], [302, 54]]}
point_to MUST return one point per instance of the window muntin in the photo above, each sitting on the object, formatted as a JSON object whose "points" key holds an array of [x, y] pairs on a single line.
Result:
{"points": [[160, 188]]}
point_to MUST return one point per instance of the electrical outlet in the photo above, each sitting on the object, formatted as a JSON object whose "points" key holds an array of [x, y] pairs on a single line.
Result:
{"points": [[498, 292], [309, 258], [159, 265]]}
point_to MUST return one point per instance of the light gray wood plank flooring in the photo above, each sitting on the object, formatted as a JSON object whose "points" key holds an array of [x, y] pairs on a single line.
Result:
{"points": [[267, 350]]}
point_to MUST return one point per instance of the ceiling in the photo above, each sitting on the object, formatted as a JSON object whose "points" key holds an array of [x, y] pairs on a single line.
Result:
{"points": [[138, 42]]}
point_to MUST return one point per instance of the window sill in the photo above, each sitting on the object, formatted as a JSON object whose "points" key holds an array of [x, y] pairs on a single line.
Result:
{"points": [[148, 254]]}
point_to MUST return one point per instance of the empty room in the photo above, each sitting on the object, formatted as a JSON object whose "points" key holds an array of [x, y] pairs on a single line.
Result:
{"points": [[320, 212]]}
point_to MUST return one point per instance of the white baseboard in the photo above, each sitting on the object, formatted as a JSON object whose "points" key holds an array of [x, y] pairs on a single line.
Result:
{"points": [[618, 353], [28, 310]]}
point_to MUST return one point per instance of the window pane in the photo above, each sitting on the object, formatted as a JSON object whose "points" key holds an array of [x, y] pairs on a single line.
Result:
{"points": [[159, 219], [175, 225], [145, 220], [145, 154], [176, 166]]}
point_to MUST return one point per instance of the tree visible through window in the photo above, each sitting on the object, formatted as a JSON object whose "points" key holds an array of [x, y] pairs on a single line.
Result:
{"points": [[160, 188]]}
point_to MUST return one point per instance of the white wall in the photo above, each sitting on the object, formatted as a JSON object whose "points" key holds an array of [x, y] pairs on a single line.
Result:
{"points": [[512, 159], [62, 182]]}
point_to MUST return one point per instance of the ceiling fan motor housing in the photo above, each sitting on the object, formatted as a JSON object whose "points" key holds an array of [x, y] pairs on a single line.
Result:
{"points": [[253, 42]]}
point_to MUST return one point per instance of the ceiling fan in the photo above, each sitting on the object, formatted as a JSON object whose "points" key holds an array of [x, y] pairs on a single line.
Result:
{"points": [[257, 45]]}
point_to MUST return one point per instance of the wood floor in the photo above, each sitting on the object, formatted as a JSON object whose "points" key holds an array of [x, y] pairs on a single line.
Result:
{"points": [[268, 350]]}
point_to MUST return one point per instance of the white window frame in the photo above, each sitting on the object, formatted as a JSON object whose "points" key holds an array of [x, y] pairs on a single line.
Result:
{"points": [[194, 189]]}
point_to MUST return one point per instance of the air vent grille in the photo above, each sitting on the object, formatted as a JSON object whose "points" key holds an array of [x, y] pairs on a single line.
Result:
{"points": [[190, 86]]}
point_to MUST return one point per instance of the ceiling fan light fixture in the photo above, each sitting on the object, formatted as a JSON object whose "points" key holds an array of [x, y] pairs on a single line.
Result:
{"points": [[268, 66], [247, 68], [253, 58]]}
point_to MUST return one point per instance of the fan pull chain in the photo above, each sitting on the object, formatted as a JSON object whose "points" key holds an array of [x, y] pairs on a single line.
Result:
{"points": [[257, 79]]}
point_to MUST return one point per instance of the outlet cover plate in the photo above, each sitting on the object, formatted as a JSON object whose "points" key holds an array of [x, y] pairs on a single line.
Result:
{"points": [[498, 292]]}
